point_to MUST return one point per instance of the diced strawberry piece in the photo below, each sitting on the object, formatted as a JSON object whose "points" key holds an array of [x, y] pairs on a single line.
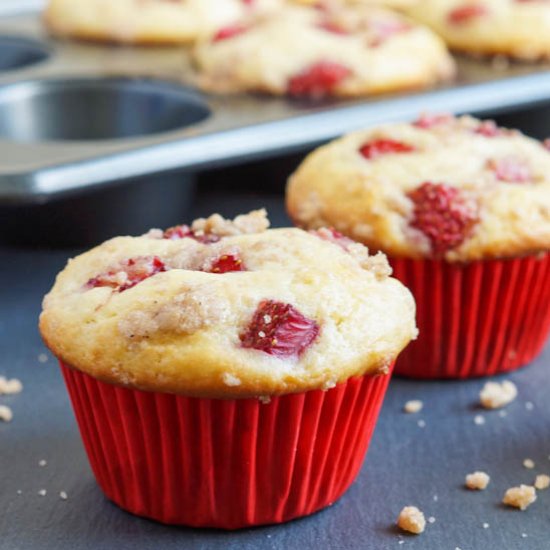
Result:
{"points": [[279, 329], [184, 231], [227, 263], [427, 121], [466, 13], [380, 147], [129, 273], [333, 27], [489, 128], [510, 170], [386, 28], [318, 80], [443, 215], [229, 32]]}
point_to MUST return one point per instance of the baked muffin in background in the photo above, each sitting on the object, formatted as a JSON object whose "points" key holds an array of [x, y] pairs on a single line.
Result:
{"points": [[326, 51], [191, 354], [516, 28], [462, 209], [154, 22]]}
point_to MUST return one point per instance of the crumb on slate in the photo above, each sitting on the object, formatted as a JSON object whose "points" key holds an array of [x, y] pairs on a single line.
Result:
{"points": [[413, 406], [528, 463], [542, 481], [11, 386], [421, 423], [479, 420], [520, 497], [42, 492], [495, 395], [477, 481], [42, 358], [63, 495], [42, 463], [412, 520], [6, 414]]}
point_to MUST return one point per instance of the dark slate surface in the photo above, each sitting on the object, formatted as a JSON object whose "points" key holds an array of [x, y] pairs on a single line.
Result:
{"points": [[406, 464]]}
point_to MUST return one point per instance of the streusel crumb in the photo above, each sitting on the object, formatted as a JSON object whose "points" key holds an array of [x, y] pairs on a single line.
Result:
{"points": [[5, 413], [413, 406], [412, 520], [495, 395], [528, 463], [520, 497], [254, 222], [477, 481], [542, 481], [10, 386]]}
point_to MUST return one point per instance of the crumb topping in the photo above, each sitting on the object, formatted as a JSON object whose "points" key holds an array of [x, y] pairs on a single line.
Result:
{"points": [[254, 222], [520, 497], [11, 386], [412, 520], [495, 395], [6, 414], [528, 463], [477, 481]]}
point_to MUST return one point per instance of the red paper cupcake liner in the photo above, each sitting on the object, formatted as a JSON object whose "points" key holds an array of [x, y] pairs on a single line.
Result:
{"points": [[476, 319], [225, 463]]}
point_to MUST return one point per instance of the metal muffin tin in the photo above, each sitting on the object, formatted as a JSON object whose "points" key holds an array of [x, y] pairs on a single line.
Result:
{"points": [[75, 116]]}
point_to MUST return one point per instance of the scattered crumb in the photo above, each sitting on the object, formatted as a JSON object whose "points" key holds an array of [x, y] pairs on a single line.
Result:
{"points": [[42, 492], [485, 526], [524, 535], [495, 395], [42, 463], [11, 386], [19, 492], [431, 519], [528, 463], [42, 358], [502, 414], [411, 519], [401, 542], [479, 420], [436, 498], [5, 413], [413, 406], [529, 406], [542, 481], [421, 423], [477, 481], [520, 497], [63, 495]]}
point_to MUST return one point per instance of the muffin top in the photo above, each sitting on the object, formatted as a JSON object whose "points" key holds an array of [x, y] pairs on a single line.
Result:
{"points": [[228, 309], [517, 28], [323, 51], [442, 187], [148, 21]]}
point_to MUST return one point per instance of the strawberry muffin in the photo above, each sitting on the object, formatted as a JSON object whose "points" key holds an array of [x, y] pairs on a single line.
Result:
{"points": [[191, 353], [148, 21], [516, 28], [462, 208], [330, 51]]}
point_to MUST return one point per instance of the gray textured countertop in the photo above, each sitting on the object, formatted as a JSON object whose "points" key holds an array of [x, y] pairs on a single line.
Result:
{"points": [[406, 464]]}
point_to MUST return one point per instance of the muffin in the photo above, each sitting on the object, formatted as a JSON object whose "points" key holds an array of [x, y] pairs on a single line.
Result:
{"points": [[329, 51], [191, 354], [462, 208], [147, 21], [515, 28]]}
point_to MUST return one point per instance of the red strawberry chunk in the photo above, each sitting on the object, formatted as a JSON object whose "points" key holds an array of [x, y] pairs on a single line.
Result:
{"points": [[385, 29], [129, 273], [380, 147], [279, 329], [333, 27], [184, 231], [466, 13], [443, 215], [227, 263], [318, 80], [489, 128], [427, 121], [510, 170], [229, 32]]}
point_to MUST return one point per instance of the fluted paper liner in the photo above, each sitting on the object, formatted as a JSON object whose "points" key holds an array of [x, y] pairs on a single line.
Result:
{"points": [[476, 319], [225, 463]]}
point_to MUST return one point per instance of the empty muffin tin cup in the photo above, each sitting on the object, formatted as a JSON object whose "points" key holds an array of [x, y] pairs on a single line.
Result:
{"points": [[88, 109], [17, 53]]}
